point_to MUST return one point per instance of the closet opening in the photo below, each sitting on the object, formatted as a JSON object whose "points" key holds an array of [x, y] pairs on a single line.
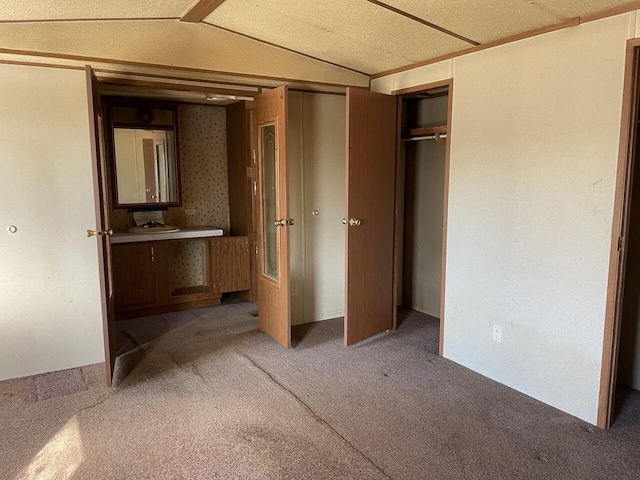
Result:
{"points": [[421, 202]]}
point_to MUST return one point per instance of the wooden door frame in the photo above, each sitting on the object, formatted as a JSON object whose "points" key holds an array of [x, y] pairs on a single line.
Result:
{"points": [[445, 210], [619, 231]]}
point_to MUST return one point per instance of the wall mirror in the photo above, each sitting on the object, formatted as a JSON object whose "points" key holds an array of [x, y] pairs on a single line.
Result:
{"points": [[144, 154]]}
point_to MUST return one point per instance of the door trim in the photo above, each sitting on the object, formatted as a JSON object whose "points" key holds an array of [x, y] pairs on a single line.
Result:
{"points": [[445, 210], [619, 231]]}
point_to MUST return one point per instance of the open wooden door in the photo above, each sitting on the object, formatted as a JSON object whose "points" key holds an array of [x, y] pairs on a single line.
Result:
{"points": [[274, 308], [370, 214], [103, 230]]}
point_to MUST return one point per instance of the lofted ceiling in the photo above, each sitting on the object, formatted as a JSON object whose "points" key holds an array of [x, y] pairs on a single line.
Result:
{"points": [[333, 42]]}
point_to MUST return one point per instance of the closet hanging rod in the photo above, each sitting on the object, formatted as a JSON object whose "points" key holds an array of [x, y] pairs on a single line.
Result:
{"points": [[424, 137]]}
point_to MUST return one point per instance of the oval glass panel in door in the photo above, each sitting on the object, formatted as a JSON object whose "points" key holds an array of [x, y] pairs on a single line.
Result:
{"points": [[269, 185]]}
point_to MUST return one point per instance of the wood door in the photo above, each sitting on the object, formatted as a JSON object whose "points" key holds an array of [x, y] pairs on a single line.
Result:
{"points": [[230, 260], [102, 228], [135, 276], [274, 308], [370, 214]]}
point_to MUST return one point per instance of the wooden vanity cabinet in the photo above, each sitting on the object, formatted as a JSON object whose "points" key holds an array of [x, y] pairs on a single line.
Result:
{"points": [[149, 277], [135, 276]]}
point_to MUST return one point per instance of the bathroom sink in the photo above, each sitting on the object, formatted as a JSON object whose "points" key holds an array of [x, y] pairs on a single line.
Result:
{"points": [[158, 229]]}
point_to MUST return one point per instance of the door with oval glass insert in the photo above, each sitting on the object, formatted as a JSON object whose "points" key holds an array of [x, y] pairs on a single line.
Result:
{"points": [[274, 309]]}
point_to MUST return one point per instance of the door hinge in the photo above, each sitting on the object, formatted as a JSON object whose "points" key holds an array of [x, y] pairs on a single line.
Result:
{"points": [[253, 155], [255, 188], [620, 243], [256, 250]]}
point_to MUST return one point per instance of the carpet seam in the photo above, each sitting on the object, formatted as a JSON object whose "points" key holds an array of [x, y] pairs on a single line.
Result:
{"points": [[316, 416]]}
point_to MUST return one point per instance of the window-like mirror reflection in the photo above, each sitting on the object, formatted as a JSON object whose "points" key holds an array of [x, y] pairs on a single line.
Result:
{"points": [[270, 199], [145, 166]]}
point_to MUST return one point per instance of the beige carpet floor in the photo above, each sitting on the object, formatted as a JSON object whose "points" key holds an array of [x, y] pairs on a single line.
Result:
{"points": [[203, 394]]}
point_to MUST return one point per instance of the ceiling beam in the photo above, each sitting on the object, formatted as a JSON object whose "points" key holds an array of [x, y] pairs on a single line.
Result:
{"points": [[200, 10], [424, 22]]}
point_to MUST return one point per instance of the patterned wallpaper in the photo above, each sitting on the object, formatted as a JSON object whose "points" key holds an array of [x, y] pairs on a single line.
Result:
{"points": [[203, 168], [186, 263]]}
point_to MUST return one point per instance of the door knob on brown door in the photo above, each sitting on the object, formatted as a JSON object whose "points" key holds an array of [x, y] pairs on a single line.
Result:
{"points": [[290, 221], [354, 222], [344, 221], [91, 233], [280, 223]]}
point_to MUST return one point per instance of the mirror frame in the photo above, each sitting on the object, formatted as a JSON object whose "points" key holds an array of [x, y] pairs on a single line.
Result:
{"points": [[110, 103]]}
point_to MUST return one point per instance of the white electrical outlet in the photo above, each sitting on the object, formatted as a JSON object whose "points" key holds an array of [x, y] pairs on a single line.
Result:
{"points": [[294, 290], [190, 211], [497, 333]]}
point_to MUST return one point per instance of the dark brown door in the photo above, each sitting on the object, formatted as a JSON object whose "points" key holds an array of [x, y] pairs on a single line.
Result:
{"points": [[274, 311], [370, 214], [102, 231]]}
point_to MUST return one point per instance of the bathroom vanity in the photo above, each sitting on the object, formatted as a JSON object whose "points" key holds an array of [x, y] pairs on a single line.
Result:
{"points": [[161, 272]]}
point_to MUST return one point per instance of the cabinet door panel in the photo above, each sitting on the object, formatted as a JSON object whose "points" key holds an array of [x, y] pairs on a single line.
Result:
{"points": [[231, 269], [134, 273]]}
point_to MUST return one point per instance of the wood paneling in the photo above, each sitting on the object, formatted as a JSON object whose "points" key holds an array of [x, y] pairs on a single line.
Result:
{"points": [[370, 196], [238, 160], [274, 308], [230, 264], [242, 181]]}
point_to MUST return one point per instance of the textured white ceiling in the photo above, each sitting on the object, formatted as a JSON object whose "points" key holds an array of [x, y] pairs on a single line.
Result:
{"points": [[354, 33], [91, 9], [172, 43], [487, 20]]}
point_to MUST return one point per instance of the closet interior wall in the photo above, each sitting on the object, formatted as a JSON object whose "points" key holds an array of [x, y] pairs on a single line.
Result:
{"points": [[421, 202], [316, 176]]}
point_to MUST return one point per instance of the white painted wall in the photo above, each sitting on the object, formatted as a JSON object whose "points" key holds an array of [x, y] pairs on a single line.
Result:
{"points": [[535, 130], [50, 315], [316, 162]]}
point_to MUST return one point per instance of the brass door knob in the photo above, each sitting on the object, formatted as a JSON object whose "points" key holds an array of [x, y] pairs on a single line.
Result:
{"points": [[354, 222], [91, 233], [290, 221], [344, 221], [280, 223]]}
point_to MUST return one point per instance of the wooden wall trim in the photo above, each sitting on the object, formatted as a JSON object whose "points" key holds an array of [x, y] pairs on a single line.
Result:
{"points": [[129, 82], [111, 19], [445, 217], [619, 229], [200, 10], [514, 38], [424, 86]]}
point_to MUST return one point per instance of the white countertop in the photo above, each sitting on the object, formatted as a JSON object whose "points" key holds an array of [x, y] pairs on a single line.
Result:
{"points": [[184, 232]]}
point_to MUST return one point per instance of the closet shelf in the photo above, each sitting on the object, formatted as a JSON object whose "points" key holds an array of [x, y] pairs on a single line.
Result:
{"points": [[423, 131]]}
